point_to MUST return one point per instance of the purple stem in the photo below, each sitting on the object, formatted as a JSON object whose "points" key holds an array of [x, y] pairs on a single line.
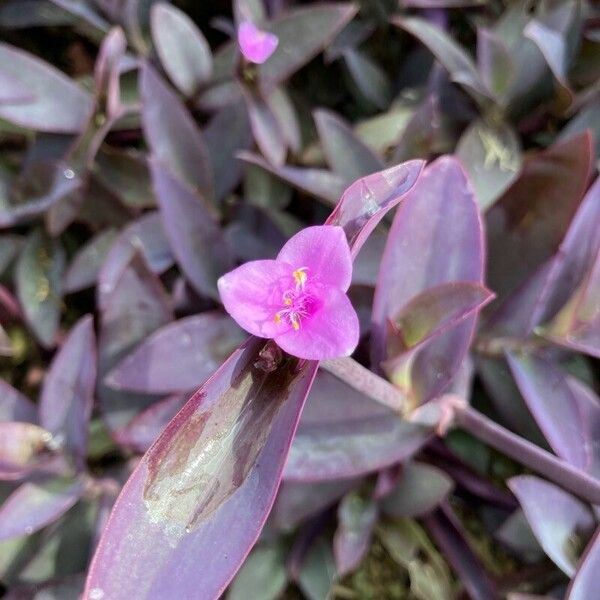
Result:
{"points": [[560, 472]]}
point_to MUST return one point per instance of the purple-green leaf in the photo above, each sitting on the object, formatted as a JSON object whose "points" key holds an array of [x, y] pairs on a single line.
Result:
{"points": [[58, 104], [194, 235], [178, 357], [14, 406], [585, 583], [35, 504], [215, 468], [556, 518], [67, 395]]}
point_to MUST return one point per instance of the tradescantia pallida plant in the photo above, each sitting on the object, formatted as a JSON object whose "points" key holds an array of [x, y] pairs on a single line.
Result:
{"points": [[294, 295]]}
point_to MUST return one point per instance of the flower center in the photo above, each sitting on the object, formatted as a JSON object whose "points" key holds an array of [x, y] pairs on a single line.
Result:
{"points": [[297, 301]]}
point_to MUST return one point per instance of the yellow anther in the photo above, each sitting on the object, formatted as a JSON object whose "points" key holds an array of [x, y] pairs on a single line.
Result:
{"points": [[287, 301], [277, 319], [295, 322], [300, 276]]}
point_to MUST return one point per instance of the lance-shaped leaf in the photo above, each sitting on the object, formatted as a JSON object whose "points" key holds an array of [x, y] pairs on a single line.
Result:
{"points": [[35, 504], [372, 84], [346, 154], [183, 50], [39, 275], [553, 405], [10, 245], [491, 155], [173, 136], [453, 57], [577, 325], [319, 183], [422, 253], [554, 181], [357, 517], [302, 34], [343, 434], [366, 201], [195, 237], [179, 356], [421, 488], [68, 392], [23, 447], [145, 236], [585, 583], [85, 266], [133, 309], [14, 406], [557, 519], [227, 133], [57, 104], [215, 468], [141, 432], [317, 572], [495, 64]]}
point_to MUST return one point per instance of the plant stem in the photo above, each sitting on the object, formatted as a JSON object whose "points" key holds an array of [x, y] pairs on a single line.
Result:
{"points": [[535, 458], [366, 382]]}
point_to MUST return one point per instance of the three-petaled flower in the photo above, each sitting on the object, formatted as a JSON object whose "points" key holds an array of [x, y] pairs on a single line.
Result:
{"points": [[299, 299], [256, 45]]}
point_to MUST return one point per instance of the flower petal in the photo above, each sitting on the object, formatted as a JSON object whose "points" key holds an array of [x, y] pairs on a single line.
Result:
{"points": [[324, 250], [256, 45], [330, 333], [252, 295]]}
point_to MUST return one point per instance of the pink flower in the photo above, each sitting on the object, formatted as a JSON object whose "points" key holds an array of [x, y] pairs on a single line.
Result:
{"points": [[299, 299], [256, 45]]}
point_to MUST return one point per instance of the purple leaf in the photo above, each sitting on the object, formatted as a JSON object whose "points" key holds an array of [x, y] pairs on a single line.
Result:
{"points": [[87, 262], [14, 406], [554, 180], [421, 488], [356, 520], [453, 57], [140, 433], [173, 136], [23, 447], [133, 309], [344, 434], [146, 236], [39, 274], [216, 467], [66, 588], [178, 357], [58, 104], [553, 405], [319, 183], [491, 155], [195, 237], [345, 153], [366, 201], [107, 73], [555, 517], [34, 505], [585, 583], [227, 133], [181, 47], [265, 126], [495, 64], [285, 113], [423, 253], [68, 392]]}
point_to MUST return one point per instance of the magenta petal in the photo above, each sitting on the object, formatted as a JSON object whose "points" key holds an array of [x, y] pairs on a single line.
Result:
{"points": [[331, 332], [324, 251], [256, 45], [252, 295]]}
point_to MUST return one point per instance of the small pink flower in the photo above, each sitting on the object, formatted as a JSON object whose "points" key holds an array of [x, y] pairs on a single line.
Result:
{"points": [[256, 45], [299, 299]]}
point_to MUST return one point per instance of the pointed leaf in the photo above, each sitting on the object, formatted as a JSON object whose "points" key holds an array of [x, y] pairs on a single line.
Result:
{"points": [[370, 80], [346, 154], [57, 104], [181, 47], [172, 134], [494, 63], [585, 583], [68, 391], [215, 468], [179, 356], [195, 237], [34, 505], [14, 406], [39, 274], [556, 518]]}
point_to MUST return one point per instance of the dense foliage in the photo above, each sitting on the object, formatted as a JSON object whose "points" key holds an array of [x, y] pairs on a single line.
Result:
{"points": [[142, 157]]}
